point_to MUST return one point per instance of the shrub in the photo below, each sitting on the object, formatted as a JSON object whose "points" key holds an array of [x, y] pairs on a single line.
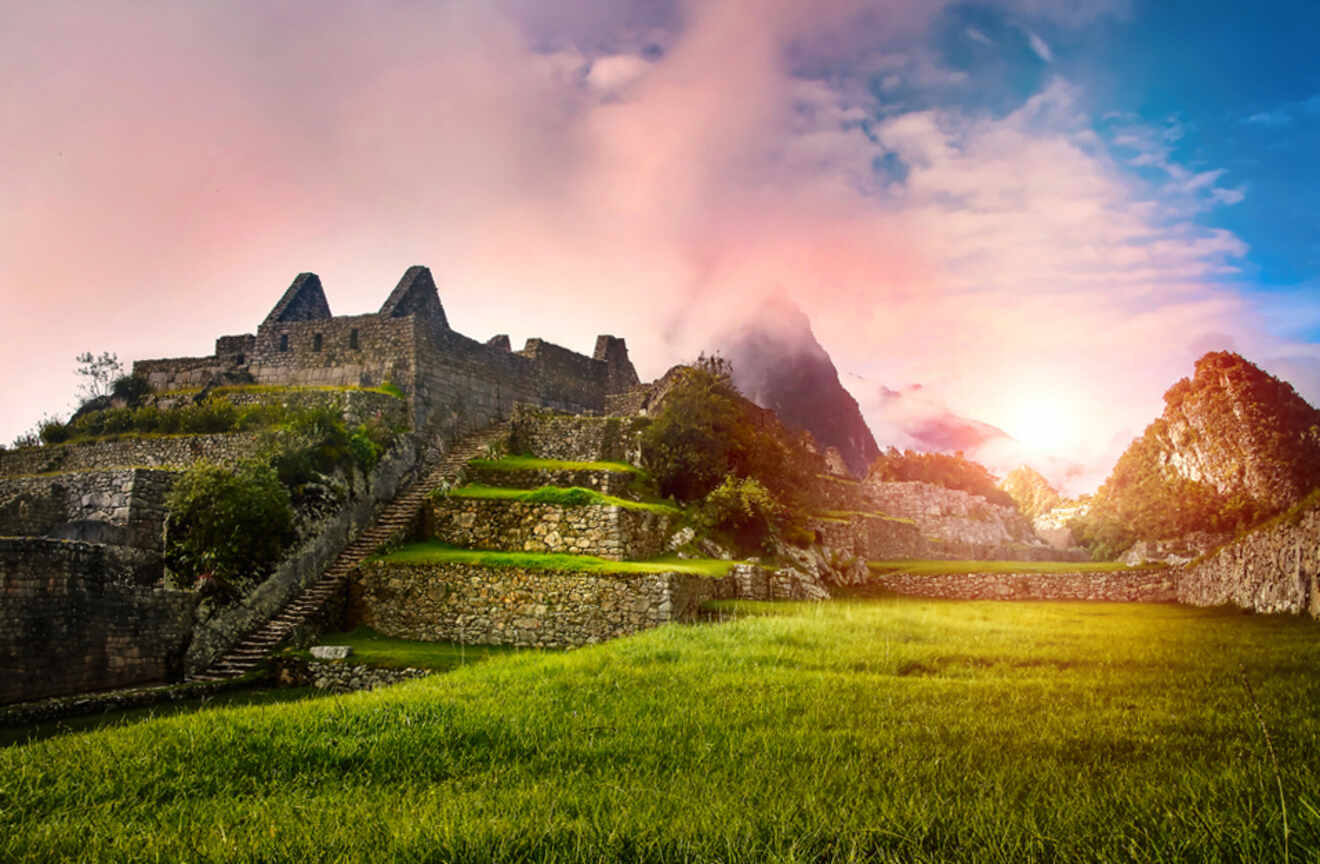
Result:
{"points": [[228, 525], [131, 389], [744, 509], [50, 431]]}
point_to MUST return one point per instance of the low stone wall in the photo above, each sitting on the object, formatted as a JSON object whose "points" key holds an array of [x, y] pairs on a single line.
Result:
{"points": [[1139, 586], [871, 538], [1273, 569], [304, 565], [617, 533], [122, 507], [159, 451], [552, 435], [604, 482], [339, 676], [74, 619], [515, 606]]}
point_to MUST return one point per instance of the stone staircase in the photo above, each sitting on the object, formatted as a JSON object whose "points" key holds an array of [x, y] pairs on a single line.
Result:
{"points": [[394, 520]]}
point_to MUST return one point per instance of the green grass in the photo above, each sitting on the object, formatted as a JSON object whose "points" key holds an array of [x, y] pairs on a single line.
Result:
{"points": [[893, 730], [126, 716], [570, 496], [373, 649], [434, 552], [914, 565], [531, 463]]}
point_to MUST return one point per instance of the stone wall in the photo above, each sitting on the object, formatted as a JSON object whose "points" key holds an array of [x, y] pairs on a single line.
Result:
{"points": [[1272, 569], [123, 507], [605, 482], [513, 606], [304, 565], [961, 525], [617, 533], [74, 618], [871, 538], [174, 451], [551, 435], [1142, 586]]}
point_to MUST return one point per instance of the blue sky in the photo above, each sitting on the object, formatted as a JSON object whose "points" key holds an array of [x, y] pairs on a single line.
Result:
{"points": [[1031, 213]]}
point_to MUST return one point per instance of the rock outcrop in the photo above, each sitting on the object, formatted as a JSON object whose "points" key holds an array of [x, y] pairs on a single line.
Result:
{"points": [[779, 365]]}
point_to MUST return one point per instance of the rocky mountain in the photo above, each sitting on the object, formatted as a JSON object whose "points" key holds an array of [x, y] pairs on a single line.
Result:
{"points": [[779, 365], [1233, 446], [1033, 493]]}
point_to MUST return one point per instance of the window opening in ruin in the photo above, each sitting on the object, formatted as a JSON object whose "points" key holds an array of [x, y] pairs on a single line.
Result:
{"points": [[284, 341], [352, 339], [316, 342]]}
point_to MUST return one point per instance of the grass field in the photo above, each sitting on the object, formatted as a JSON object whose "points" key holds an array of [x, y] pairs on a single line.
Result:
{"points": [[914, 565], [885, 730], [435, 552]]}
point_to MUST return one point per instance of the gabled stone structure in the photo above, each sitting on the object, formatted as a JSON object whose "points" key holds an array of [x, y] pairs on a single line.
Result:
{"points": [[453, 384]]}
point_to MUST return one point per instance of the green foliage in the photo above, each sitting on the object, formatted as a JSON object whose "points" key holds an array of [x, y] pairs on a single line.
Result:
{"points": [[130, 389], [226, 526], [952, 471], [392, 389], [893, 730], [744, 510], [49, 431]]}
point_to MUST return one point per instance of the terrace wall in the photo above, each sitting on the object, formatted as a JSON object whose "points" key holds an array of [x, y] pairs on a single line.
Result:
{"points": [[75, 618], [123, 507], [1272, 569], [616, 533], [552, 435], [1140, 586], [157, 451]]}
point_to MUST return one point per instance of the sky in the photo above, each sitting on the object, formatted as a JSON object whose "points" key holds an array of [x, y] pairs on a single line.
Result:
{"points": [[1034, 214]]}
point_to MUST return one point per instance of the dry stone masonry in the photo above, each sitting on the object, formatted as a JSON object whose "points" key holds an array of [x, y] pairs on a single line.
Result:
{"points": [[1128, 586], [603, 530]]}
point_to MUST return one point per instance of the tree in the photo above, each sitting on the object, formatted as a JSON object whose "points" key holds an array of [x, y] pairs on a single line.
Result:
{"points": [[98, 373], [229, 526]]}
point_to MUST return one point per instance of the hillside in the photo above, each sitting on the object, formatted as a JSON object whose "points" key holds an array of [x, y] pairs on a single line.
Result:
{"points": [[1233, 446], [779, 365]]}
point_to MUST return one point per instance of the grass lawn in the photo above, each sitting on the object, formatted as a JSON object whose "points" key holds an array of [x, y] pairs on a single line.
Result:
{"points": [[434, 552], [570, 496], [531, 463], [914, 565], [107, 719], [884, 730], [374, 649]]}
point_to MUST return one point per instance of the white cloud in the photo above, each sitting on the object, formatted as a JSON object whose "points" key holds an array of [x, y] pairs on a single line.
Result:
{"points": [[1039, 47], [977, 36]]}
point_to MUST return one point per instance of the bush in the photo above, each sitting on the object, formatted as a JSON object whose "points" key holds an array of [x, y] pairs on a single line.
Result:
{"points": [[131, 389], [744, 509], [229, 526], [50, 431]]}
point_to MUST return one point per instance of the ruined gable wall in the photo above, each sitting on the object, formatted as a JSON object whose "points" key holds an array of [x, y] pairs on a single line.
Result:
{"points": [[123, 507]]}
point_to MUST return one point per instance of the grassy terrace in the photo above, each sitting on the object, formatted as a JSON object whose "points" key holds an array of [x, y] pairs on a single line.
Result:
{"points": [[373, 649], [433, 552], [887, 730], [531, 463], [571, 496], [944, 568]]}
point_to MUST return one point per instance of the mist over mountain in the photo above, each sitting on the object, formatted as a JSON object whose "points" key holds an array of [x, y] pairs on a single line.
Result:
{"points": [[933, 427], [779, 365]]}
